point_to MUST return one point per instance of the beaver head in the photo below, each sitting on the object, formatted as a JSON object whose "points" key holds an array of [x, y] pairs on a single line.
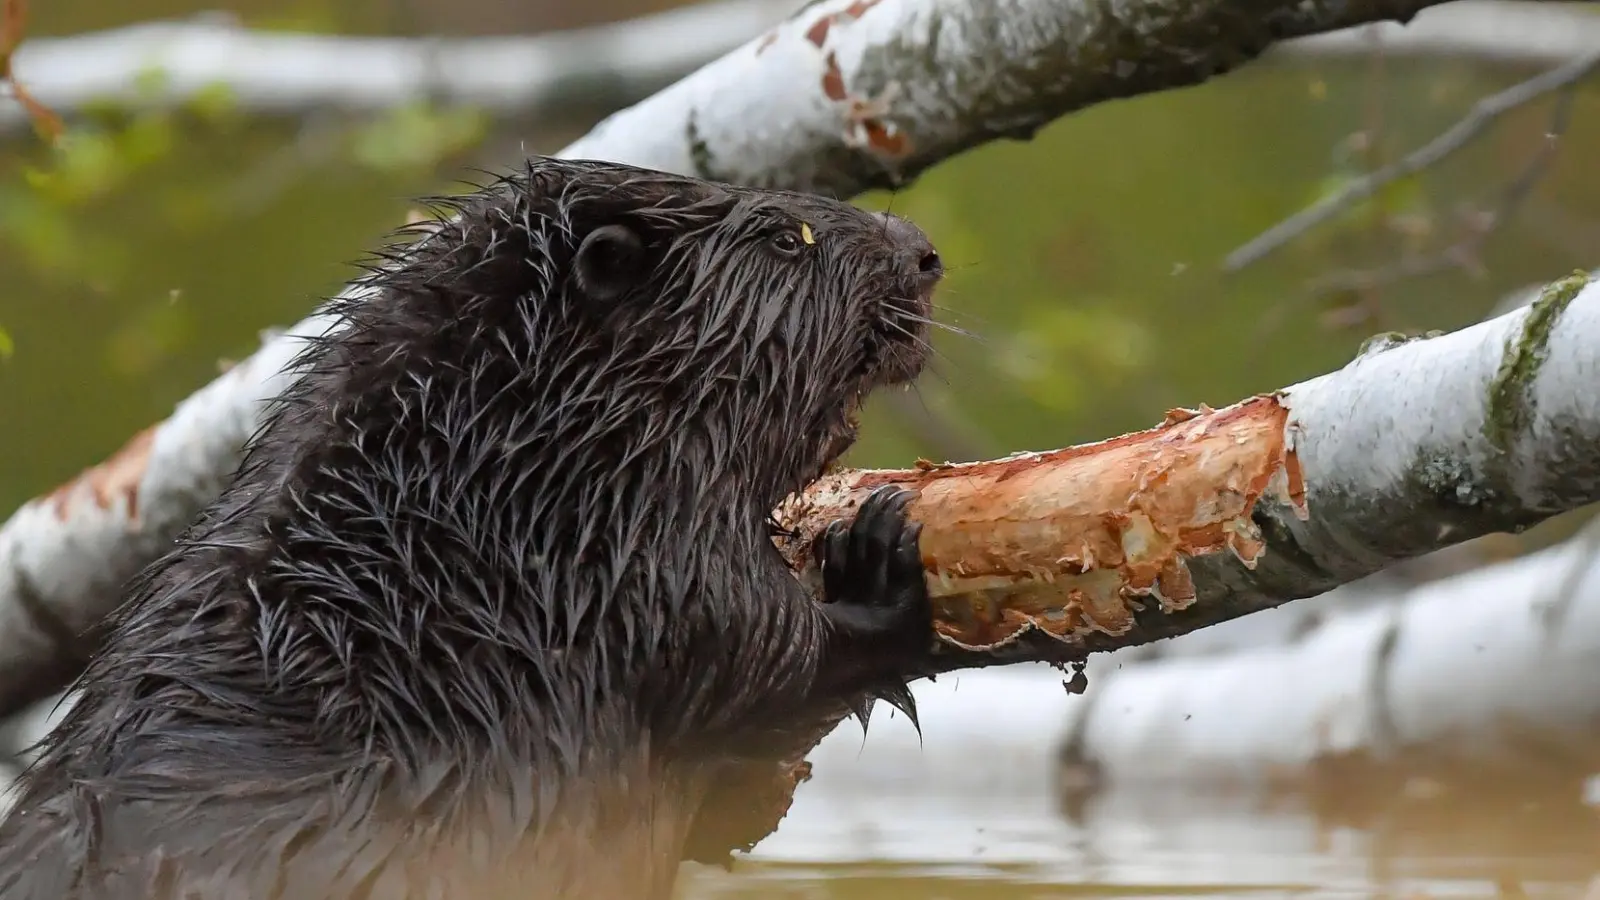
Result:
{"points": [[737, 329]]}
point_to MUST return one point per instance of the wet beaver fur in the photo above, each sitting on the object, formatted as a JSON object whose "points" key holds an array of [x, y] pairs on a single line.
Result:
{"points": [[491, 604]]}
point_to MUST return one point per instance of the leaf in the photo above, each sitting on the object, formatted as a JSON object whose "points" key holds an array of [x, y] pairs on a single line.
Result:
{"points": [[417, 136]]}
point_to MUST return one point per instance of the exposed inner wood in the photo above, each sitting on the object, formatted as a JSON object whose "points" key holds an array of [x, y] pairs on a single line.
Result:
{"points": [[1068, 541]]}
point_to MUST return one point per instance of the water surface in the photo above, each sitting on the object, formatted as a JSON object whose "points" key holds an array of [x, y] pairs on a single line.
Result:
{"points": [[971, 813]]}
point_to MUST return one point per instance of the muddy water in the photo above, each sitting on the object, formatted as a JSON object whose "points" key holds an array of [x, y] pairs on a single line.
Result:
{"points": [[971, 813]]}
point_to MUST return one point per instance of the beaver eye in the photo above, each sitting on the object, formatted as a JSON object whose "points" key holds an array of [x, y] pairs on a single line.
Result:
{"points": [[786, 242]]}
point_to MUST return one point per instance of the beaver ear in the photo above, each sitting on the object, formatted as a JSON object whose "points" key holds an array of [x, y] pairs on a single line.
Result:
{"points": [[610, 260]]}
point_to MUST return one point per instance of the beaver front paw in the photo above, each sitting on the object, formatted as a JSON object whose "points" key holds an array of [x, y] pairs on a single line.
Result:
{"points": [[873, 583]]}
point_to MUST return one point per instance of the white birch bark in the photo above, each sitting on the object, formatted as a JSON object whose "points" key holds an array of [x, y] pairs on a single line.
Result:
{"points": [[1503, 31], [1493, 673], [269, 72], [846, 95], [526, 76], [1388, 585]]}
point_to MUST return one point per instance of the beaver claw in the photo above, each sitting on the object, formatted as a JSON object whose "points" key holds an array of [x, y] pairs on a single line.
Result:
{"points": [[876, 597], [872, 576]]}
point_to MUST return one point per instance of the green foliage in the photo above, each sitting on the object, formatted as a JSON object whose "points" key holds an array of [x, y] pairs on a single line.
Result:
{"points": [[89, 163], [417, 136], [78, 214], [53, 202], [151, 335], [1062, 356], [48, 204]]}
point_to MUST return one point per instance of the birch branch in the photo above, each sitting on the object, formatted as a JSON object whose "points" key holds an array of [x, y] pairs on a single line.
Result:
{"points": [[1491, 671], [1516, 32], [528, 76], [845, 95], [276, 72]]}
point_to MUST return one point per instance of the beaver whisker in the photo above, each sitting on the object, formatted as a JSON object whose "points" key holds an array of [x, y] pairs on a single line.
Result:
{"points": [[890, 325], [928, 347], [935, 323]]}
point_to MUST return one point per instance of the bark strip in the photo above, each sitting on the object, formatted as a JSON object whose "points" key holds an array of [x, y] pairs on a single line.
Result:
{"points": [[1076, 541]]}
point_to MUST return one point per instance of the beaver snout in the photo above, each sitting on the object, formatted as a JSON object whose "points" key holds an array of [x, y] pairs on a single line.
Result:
{"points": [[897, 346], [916, 265], [915, 255]]}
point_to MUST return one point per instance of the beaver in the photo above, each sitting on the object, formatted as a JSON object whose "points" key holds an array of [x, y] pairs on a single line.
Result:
{"points": [[491, 602]]}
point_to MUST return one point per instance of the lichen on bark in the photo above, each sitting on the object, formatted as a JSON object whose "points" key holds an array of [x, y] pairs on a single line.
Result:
{"points": [[1510, 403]]}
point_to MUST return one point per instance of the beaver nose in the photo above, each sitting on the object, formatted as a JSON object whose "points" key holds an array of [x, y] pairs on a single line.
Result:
{"points": [[913, 251]]}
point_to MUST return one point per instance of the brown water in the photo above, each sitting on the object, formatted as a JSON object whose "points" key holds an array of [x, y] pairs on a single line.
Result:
{"points": [[971, 814], [1179, 848]]}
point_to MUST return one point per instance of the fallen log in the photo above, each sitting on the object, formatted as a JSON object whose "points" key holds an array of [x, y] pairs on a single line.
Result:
{"points": [[1487, 677]]}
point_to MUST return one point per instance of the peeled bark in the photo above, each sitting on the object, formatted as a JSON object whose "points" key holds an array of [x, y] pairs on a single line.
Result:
{"points": [[1062, 551]]}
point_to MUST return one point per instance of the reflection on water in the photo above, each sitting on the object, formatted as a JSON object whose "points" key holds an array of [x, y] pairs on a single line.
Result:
{"points": [[971, 814]]}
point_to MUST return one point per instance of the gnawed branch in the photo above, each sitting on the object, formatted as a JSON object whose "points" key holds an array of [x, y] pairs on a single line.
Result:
{"points": [[1068, 547], [1416, 445]]}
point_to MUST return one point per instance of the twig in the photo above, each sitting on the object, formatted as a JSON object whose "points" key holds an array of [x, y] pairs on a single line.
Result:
{"points": [[1483, 114], [13, 24], [1465, 252]]}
